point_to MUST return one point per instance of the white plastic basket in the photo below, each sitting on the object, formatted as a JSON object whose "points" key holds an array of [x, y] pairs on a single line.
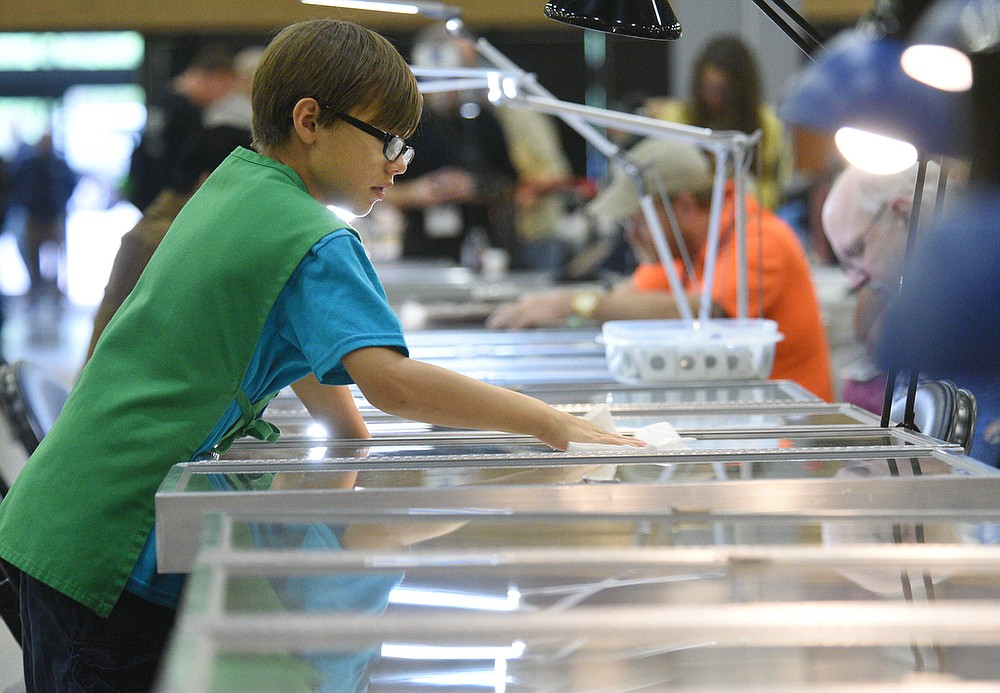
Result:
{"points": [[657, 351]]}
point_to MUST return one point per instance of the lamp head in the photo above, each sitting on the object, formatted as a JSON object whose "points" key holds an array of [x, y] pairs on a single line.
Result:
{"points": [[858, 83], [945, 36], [647, 19]]}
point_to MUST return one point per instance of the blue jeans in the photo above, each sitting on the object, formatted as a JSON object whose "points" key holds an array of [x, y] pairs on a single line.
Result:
{"points": [[70, 649]]}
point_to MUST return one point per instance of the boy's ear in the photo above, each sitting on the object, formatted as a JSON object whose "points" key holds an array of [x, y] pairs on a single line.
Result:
{"points": [[305, 119]]}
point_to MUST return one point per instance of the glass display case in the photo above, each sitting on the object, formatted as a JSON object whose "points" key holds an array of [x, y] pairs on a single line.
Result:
{"points": [[710, 483], [680, 395], [584, 602], [686, 394], [816, 441], [715, 417], [431, 344], [521, 357]]}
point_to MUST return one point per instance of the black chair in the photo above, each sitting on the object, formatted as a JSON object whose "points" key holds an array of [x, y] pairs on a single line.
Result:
{"points": [[10, 605], [30, 401], [941, 410], [966, 419]]}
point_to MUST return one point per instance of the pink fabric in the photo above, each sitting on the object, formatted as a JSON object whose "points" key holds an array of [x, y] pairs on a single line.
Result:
{"points": [[867, 394]]}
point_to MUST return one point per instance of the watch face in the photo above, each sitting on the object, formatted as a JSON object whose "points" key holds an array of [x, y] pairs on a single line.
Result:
{"points": [[585, 303]]}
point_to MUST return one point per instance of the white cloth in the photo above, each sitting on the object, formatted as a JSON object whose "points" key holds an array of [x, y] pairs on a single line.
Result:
{"points": [[657, 436]]}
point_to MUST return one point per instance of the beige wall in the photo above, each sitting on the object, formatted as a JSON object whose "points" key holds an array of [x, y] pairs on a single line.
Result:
{"points": [[236, 15], [251, 15], [835, 10]]}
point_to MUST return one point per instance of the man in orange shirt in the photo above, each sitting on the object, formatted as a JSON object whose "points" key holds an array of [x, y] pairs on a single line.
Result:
{"points": [[778, 277]]}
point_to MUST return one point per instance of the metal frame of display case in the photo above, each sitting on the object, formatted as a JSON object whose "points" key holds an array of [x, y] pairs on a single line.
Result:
{"points": [[441, 532], [474, 445], [691, 392], [653, 412], [862, 416], [179, 509]]}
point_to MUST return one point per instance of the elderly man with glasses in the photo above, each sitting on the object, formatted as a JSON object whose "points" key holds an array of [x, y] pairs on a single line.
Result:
{"points": [[866, 218]]}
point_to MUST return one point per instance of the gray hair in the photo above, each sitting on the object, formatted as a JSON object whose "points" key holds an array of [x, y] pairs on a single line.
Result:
{"points": [[873, 192]]}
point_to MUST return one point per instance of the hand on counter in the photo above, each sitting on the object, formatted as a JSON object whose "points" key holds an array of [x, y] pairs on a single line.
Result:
{"points": [[534, 310]]}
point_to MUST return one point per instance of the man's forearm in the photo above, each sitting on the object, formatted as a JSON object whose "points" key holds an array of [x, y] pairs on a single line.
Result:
{"points": [[624, 302]]}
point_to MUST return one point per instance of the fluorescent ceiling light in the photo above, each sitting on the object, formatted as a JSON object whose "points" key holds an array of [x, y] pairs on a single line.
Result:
{"points": [[396, 7], [434, 10]]}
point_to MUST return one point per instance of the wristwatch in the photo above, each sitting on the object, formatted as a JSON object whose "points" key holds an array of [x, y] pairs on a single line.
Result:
{"points": [[584, 304]]}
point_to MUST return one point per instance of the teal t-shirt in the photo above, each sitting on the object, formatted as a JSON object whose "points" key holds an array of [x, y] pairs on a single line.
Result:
{"points": [[332, 305]]}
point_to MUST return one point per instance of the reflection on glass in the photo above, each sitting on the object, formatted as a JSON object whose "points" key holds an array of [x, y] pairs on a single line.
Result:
{"points": [[424, 473]]}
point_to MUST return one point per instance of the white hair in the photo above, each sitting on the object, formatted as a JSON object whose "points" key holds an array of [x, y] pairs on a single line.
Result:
{"points": [[872, 192]]}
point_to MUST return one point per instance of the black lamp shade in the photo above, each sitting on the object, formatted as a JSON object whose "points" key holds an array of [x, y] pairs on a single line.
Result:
{"points": [[648, 19]]}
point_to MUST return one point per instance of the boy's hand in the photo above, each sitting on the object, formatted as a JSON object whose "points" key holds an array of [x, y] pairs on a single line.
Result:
{"points": [[567, 428]]}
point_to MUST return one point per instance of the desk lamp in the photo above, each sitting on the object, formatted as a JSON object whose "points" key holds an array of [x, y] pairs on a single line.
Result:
{"points": [[654, 19], [648, 19], [882, 118], [860, 85]]}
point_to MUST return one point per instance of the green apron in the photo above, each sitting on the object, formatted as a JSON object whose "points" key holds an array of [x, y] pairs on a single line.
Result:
{"points": [[165, 370]]}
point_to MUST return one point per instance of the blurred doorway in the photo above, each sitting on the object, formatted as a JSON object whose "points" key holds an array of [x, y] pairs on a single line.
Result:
{"points": [[78, 87]]}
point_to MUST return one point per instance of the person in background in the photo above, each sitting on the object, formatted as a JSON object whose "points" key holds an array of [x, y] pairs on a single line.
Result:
{"points": [[866, 218], [42, 185], [459, 195], [726, 94], [5, 183], [544, 180], [256, 284], [233, 108], [778, 273], [174, 117], [4, 204]]}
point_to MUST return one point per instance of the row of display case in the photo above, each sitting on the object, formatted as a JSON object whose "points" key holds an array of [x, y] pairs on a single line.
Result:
{"points": [[780, 544]]}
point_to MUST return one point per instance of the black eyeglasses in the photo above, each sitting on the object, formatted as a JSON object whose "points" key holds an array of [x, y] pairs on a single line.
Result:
{"points": [[393, 146]]}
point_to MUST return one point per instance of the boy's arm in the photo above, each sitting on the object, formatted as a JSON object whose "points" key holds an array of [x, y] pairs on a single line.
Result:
{"points": [[421, 391], [333, 406]]}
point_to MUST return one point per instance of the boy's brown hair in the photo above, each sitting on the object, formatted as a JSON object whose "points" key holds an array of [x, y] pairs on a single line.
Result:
{"points": [[344, 67]]}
